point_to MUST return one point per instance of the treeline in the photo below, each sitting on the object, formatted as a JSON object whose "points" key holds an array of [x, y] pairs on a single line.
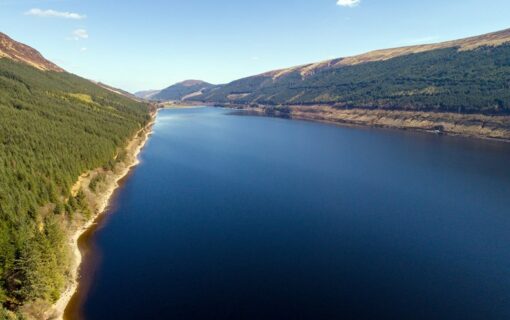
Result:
{"points": [[447, 80], [53, 127]]}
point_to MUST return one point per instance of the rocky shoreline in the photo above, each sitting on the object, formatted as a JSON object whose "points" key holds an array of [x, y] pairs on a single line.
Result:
{"points": [[467, 125]]}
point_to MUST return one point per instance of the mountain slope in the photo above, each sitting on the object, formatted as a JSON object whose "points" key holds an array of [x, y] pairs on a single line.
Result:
{"points": [[53, 127], [118, 91], [22, 53], [147, 94], [490, 39], [183, 90], [468, 75]]}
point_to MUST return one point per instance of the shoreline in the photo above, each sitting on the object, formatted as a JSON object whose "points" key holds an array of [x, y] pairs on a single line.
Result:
{"points": [[472, 126], [184, 104], [101, 200], [182, 107]]}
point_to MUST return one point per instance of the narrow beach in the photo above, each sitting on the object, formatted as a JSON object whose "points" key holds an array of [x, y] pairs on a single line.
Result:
{"points": [[101, 201]]}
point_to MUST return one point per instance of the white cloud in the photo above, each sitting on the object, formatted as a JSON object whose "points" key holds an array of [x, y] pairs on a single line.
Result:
{"points": [[54, 14], [79, 34], [348, 3], [83, 49]]}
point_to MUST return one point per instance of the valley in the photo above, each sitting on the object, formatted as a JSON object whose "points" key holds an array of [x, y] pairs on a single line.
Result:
{"points": [[457, 87]]}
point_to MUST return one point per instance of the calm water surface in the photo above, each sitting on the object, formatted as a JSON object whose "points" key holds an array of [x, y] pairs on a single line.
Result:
{"points": [[238, 217]]}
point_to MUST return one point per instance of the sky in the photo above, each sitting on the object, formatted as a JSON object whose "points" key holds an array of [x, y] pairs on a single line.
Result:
{"points": [[151, 44]]}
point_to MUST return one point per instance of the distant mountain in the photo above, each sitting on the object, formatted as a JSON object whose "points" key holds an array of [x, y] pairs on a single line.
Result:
{"points": [[183, 90], [147, 94], [20, 52], [468, 75]]}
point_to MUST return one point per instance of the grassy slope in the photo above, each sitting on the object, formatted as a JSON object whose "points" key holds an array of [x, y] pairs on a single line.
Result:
{"points": [[53, 127]]}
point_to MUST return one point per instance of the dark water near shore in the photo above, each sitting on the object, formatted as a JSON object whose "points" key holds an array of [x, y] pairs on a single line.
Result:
{"points": [[238, 217]]}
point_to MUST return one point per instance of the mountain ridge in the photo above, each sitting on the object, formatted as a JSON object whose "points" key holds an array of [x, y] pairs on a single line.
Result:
{"points": [[19, 52], [465, 44], [493, 39], [468, 76]]}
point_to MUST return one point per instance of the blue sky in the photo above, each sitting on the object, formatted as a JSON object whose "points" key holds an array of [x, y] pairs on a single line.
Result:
{"points": [[145, 44]]}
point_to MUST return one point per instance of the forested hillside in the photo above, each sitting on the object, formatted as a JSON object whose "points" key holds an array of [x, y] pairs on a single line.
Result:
{"points": [[467, 76], [53, 127]]}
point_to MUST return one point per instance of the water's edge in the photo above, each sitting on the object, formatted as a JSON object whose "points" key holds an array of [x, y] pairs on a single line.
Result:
{"points": [[465, 125], [63, 308]]}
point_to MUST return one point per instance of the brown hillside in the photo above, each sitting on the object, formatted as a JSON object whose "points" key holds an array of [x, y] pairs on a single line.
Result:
{"points": [[490, 39], [19, 52]]}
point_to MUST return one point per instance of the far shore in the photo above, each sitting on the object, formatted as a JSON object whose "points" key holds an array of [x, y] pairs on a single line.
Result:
{"points": [[479, 126], [100, 202], [181, 105]]}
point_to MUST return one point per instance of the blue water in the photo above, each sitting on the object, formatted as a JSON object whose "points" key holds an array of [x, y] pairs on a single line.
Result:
{"points": [[241, 217]]}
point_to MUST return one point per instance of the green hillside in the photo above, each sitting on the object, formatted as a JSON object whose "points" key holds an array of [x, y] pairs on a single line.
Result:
{"points": [[445, 79], [53, 127]]}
